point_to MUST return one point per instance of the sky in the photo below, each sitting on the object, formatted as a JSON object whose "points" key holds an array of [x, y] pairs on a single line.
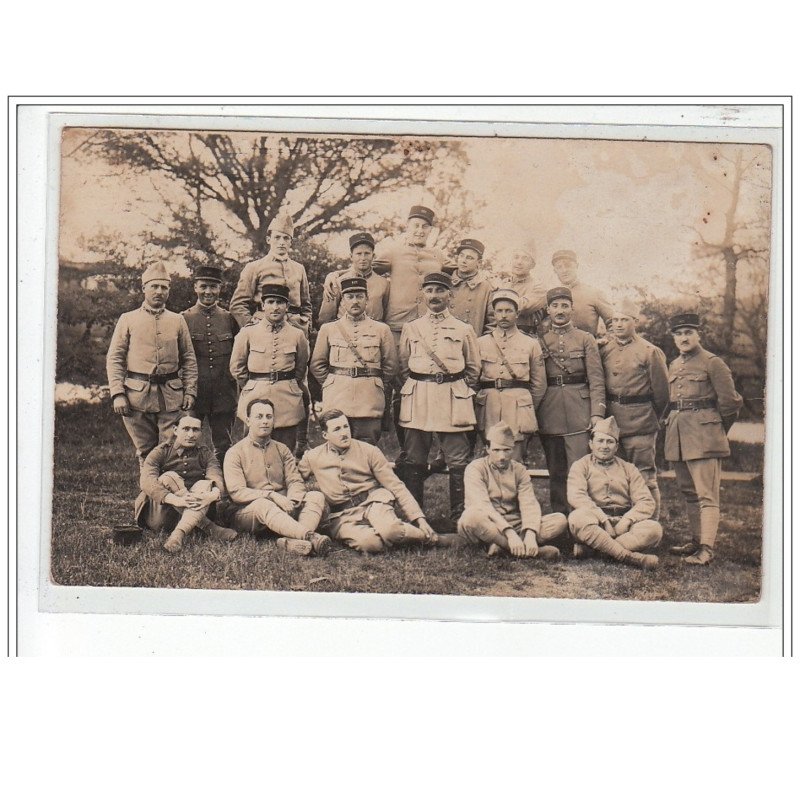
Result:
{"points": [[627, 208]]}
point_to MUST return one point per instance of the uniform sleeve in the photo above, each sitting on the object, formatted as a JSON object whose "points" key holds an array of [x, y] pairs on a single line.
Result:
{"points": [[151, 472], [382, 262], [605, 309], [643, 505], [387, 478], [331, 296], [538, 374], [239, 353], [404, 353], [188, 366], [214, 471], [318, 366], [117, 357], [306, 309], [295, 486], [301, 359], [235, 481], [476, 495], [472, 359], [488, 314], [596, 377], [729, 401], [389, 357], [243, 294], [530, 510], [578, 490], [659, 380]]}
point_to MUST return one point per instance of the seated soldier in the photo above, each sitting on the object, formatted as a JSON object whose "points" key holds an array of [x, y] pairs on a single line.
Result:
{"points": [[181, 480], [361, 490], [501, 508], [267, 490], [613, 506]]}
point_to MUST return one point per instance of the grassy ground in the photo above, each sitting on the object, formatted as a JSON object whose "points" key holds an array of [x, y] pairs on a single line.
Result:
{"points": [[96, 482]]}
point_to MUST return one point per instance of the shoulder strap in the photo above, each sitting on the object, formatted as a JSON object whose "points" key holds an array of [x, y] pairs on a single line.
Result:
{"points": [[436, 360], [503, 359], [350, 344]]}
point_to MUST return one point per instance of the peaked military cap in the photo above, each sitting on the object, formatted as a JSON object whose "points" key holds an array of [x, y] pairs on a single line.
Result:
{"points": [[438, 277], [505, 294], [353, 285], [282, 223], [361, 238], [155, 272], [423, 213], [471, 244], [207, 273], [279, 290], [500, 433], [558, 291], [608, 426], [684, 321], [566, 255]]}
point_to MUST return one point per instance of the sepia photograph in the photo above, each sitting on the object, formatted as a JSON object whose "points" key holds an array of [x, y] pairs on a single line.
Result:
{"points": [[388, 363]]}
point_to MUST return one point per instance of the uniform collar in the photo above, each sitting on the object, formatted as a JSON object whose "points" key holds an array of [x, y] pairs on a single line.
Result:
{"points": [[496, 468], [156, 312], [499, 333], [277, 327], [596, 460], [336, 451], [352, 320], [561, 328], [207, 310], [278, 260], [435, 316], [473, 280], [259, 445]]}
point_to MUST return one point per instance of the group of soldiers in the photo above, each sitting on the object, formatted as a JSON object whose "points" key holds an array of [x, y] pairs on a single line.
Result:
{"points": [[455, 358]]}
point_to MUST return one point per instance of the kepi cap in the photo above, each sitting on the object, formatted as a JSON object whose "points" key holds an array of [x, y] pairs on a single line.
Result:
{"points": [[565, 255], [423, 212], [471, 244], [363, 237], [505, 294], [558, 291], [438, 277], [500, 433], [353, 285], [279, 290], [207, 273], [608, 426], [155, 272], [684, 321]]}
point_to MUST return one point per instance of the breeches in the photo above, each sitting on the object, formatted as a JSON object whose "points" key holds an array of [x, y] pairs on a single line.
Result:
{"points": [[475, 527], [560, 453], [456, 447], [287, 436], [584, 527], [369, 528], [221, 424], [147, 429], [699, 480], [264, 515], [640, 450], [366, 429], [158, 516]]}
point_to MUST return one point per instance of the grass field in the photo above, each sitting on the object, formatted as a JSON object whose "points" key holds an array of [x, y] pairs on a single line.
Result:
{"points": [[96, 482]]}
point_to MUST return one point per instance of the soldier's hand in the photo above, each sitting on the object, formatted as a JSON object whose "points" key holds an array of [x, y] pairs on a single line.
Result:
{"points": [[531, 545], [121, 405], [623, 526], [182, 500], [429, 532], [283, 502], [188, 402], [609, 528], [515, 544], [595, 419]]}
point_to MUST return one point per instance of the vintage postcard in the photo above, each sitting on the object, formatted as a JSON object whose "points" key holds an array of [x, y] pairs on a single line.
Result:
{"points": [[503, 370]]}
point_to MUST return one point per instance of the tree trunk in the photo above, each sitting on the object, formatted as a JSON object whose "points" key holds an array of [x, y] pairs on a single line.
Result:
{"points": [[729, 300]]}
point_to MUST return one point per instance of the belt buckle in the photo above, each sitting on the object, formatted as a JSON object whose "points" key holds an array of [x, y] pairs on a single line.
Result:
{"points": [[439, 377], [272, 377], [352, 372], [559, 380]]}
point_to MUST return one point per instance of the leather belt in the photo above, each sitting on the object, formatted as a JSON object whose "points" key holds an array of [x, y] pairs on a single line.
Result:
{"points": [[351, 502], [504, 383], [631, 399], [563, 380], [692, 405], [356, 372], [153, 378], [272, 377], [615, 511], [438, 377]]}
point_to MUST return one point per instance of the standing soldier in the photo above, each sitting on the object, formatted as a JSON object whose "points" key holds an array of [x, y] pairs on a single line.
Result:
{"points": [[213, 330], [532, 295], [152, 369], [575, 395], [439, 366], [637, 392], [276, 267], [269, 361], [471, 288], [362, 251], [513, 379], [703, 405], [354, 358], [590, 305]]}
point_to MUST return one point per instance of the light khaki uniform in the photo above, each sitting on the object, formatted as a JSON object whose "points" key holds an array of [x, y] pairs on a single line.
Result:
{"points": [[589, 307], [362, 491], [360, 394], [532, 300], [157, 343], [471, 301], [377, 295]]}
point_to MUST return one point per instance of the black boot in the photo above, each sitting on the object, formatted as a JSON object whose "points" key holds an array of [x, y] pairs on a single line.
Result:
{"points": [[456, 476], [414, 478]]}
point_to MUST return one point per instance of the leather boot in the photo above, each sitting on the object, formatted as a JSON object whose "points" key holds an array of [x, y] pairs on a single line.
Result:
{"points": [[456, 492], [217, 531], [656, 492], [414, 478], [703, 557], [175, 541], [596, 537], [642, 560], [319, 543], [298, 547], [693, 512]]}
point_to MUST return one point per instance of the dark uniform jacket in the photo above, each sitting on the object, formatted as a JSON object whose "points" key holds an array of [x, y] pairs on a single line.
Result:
{"points": [[213, 330]]}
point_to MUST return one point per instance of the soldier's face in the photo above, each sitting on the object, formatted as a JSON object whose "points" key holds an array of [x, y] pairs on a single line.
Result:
{"points": [[354, 303], [338, 432], [437, 297], [156, 293], [207, 292], [468, 261], [686, 339], [418, 230], [361, 257], [603, 446], [560, 311], [521, 263], [499, 454], [505, 314], [279, 244], [567, 270], [261, 420], [187, 432], [274, 309], [622, 326]]}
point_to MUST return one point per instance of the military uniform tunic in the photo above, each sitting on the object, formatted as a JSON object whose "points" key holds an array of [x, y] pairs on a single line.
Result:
{"points": [[589, 306], [247, 295], [377, 295], [471, 300], [258, 348], [361, 396], [532, 299]]}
